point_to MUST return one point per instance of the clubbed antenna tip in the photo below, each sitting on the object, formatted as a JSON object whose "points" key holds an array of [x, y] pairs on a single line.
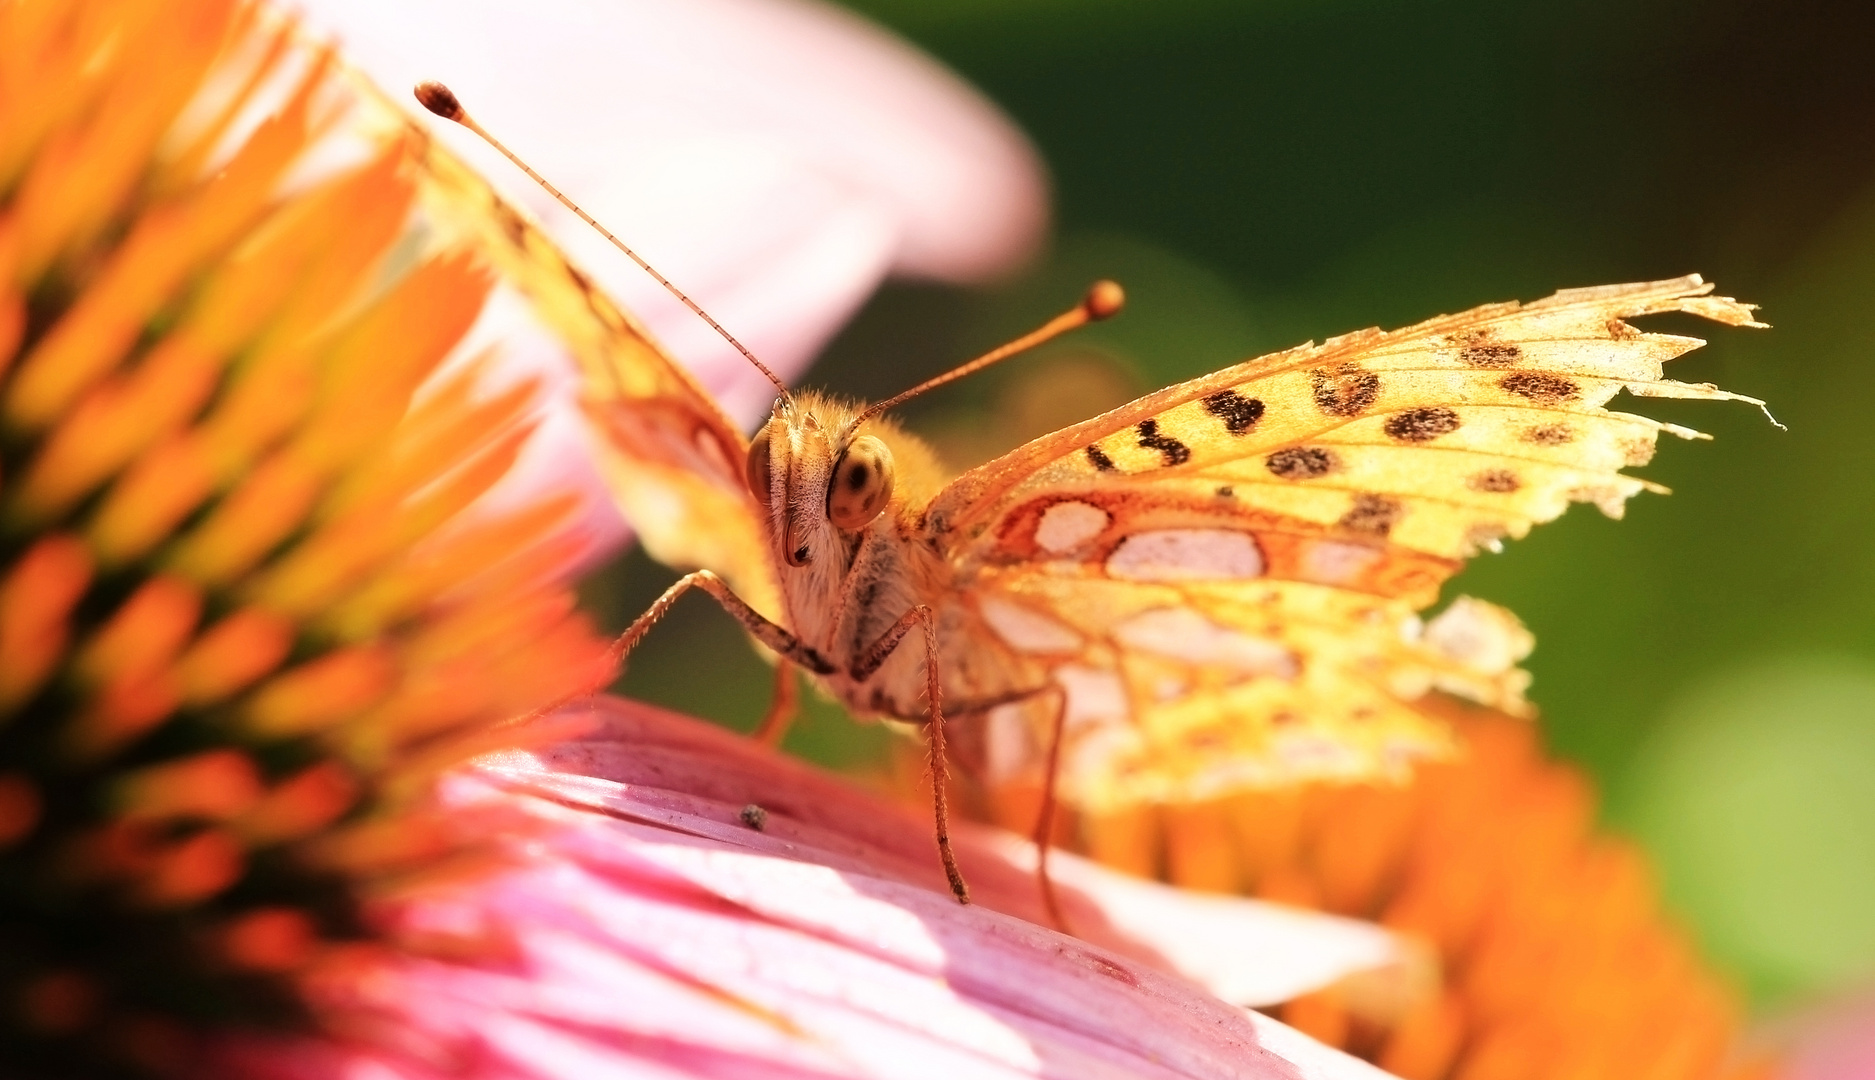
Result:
{"points": [[440, 100], [1103, 301]]}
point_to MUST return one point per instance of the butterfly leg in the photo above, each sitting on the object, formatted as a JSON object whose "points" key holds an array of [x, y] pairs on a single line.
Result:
{"points": [[783, 707], [775, 637], [863, 669], [1045, 819]]}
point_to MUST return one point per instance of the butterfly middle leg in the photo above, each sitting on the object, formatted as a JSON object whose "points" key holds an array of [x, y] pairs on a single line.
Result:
{"points": [[1045, 817], [864, 668], [1043, 832], [783, 705]]}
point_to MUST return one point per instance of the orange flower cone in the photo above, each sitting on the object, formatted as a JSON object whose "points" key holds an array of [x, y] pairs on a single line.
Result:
{"points": [[1553, 956], [243, 621]]}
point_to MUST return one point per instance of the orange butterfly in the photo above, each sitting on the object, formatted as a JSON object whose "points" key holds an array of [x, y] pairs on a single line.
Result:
{"points": [[1214, 587]]}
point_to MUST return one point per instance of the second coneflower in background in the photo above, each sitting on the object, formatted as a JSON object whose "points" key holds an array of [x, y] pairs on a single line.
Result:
{"points": [[1555, 960]]}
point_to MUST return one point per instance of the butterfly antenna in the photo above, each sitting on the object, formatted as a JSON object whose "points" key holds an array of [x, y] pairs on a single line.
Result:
{"points": [[1103, 301], [442, 101]]}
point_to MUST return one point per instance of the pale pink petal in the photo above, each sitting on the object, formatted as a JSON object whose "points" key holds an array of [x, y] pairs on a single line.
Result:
{"points": [[1829, 1040], [647, 765], [776, 158], [643, 930], [1250, 952]]}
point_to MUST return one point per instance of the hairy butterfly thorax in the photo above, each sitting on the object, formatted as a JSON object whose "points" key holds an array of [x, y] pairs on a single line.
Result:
{"points": [[845, 518]]}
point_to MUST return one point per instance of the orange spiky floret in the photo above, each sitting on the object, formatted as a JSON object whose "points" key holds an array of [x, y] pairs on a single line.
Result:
{"points": [[244, 622], [1555, 959]]}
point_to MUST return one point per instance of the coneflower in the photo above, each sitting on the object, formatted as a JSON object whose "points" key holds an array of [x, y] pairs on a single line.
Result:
{"points": [[243, 619], [255, 613]]}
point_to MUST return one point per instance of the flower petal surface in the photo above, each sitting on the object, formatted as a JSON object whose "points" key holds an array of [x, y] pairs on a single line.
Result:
{"points": [[645, 929], [774, 158]]}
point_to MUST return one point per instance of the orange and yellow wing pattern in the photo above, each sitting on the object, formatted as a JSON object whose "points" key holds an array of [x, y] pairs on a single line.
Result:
{"points": [[672, 458], [1224, 577]]}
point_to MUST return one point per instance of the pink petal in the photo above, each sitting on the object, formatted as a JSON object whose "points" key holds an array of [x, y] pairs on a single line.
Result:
{"points": [[1829, 1040], [1249, 952], [644, 931], [649, 765], [775, 158]]}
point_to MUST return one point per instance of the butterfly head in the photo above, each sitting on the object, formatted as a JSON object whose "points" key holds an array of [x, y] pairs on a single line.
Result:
{"points": [[816, 477]]}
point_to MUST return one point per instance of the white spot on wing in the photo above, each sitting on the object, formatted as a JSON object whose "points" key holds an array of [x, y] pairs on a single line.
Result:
{"points": [[1096, 734], [1481, 636], [1097, 752], [1067, 525], [1183, 634], [1009, 750], [1186, 555], [1334, 562], [1094, 696], [1026, 629]]}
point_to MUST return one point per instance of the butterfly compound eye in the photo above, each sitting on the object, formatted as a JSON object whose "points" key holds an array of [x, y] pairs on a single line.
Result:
{"points": [[757, 465], [862, 484]]}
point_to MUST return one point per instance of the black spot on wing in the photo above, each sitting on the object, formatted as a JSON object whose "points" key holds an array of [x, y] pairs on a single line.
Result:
{"points": [[509, 220], [1240, 414], [1490, 356], [1550, 435], [1421, 425], [1495, 481], [577, 276], [1345, 390], [1373, 515], [1301, 463], [1540, 387], [1175, 452], [1099, 459]]}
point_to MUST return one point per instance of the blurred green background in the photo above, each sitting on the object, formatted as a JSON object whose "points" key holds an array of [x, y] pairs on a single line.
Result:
{"points": [[1258, 174]]}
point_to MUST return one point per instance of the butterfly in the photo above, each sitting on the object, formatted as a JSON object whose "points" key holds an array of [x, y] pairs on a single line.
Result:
{"points": [[1217, 586]]}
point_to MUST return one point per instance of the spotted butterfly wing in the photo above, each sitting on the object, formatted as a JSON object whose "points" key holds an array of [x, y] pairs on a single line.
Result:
{"points": [[1223, 578], [671, 457]]}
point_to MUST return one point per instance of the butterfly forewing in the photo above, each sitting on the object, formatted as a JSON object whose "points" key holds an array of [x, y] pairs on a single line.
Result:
{"points": [[1505, 401], [1239, 559], [670, 456]]}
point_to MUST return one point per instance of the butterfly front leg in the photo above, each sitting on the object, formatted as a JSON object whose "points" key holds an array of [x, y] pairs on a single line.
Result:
{"points": [[776, 637], [864, 668]]}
